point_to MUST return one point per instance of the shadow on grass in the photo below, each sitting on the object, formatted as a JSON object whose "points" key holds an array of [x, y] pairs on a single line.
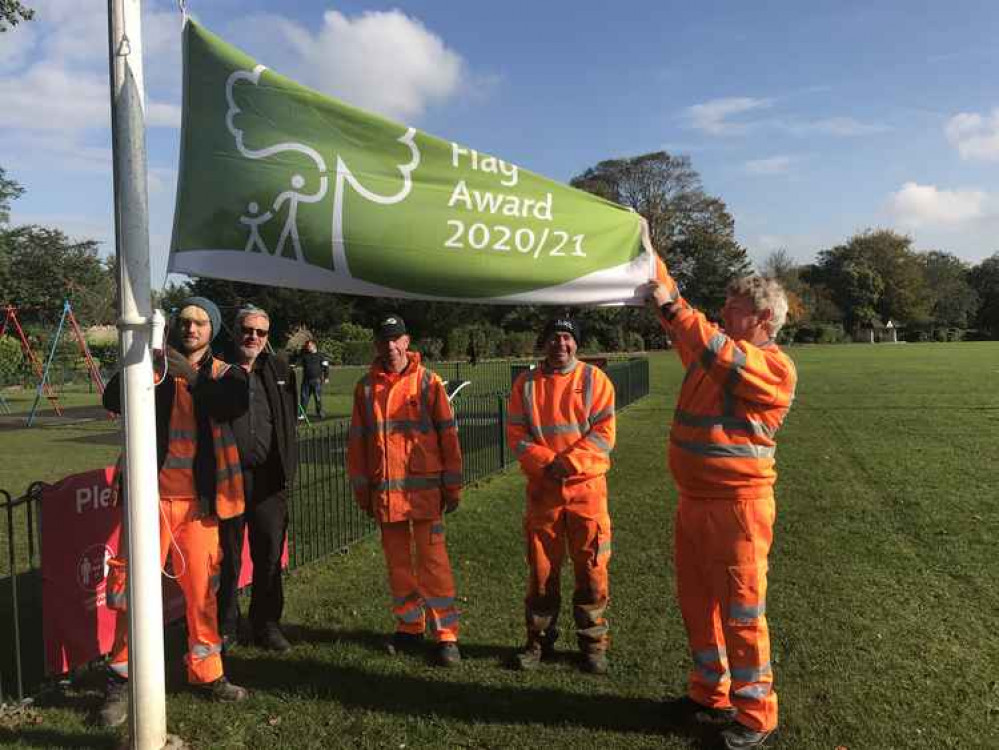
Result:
{"points": [[354, 688], [39, 736]]}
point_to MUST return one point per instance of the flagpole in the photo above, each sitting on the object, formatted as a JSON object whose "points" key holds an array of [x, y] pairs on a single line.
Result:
{"points": [[147, 705]]}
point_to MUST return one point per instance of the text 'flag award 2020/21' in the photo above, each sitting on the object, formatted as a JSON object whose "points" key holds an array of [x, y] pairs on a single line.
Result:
{"points": [[280, 185]]}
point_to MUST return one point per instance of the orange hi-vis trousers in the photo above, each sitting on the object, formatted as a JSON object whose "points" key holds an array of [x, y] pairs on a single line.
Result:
{"points": [[721, 577], [195, 558], [420, 578], [581, 523]]}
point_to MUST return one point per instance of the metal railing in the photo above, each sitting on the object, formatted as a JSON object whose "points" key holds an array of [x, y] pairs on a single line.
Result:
{"points": [[324, 519]]}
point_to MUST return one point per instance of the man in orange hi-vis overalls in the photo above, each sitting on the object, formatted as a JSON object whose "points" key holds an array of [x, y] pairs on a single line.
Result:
{"points": [[200, 481], [561, 425], [404, 461], [736, 393]]}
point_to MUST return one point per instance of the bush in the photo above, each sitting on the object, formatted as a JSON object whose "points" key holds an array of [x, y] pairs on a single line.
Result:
{"points": [[348, 331], [592, 345], [357, 352], [11, 360], [430, 349], [820, 333], [332, 348], [939, 334], [517, 344], [106, 354], [634, 342], [485, 337]]}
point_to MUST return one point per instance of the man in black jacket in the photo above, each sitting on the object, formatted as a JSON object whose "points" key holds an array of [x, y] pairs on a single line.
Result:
{"points": [[315, 370], [265, 436]]}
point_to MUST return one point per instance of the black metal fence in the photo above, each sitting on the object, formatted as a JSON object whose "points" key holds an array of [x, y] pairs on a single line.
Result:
{"points": [[323, 516]]}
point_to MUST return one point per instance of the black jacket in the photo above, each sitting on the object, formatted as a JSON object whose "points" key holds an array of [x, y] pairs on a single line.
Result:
{"points": [[282, 395], [223, 400], [312, 365]]}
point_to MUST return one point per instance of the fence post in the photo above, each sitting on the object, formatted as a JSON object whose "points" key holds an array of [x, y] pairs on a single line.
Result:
{"points": [[501, 426]]}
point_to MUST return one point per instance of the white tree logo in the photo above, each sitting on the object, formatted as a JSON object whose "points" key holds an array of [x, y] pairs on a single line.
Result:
{"points": [[254, 219]]}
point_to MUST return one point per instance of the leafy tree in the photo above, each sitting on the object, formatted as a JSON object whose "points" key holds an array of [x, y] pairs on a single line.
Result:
{"points": [[40, 267], [984, 278], [692, 231], [13, 12], [953, 301], [9, 190]]}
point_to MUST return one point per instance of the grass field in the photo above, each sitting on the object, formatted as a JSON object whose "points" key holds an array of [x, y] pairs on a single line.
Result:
{"points": [[883, 604]]}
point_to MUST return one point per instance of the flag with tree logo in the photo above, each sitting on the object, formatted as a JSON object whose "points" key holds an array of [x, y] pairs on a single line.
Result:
{"points": [[283, 186]]}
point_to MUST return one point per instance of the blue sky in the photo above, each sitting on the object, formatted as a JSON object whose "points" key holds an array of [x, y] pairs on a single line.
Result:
{"points": [[810, 120]]}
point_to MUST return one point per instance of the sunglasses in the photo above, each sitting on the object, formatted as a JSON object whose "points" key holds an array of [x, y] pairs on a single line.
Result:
{"points": [[261, 332]]}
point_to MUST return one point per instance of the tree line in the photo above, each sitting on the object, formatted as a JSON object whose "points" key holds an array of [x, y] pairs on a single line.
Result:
{"points": [[873, 277]]}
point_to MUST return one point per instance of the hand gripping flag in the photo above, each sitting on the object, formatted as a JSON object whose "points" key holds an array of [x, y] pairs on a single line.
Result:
{"points": [[282, 186]]}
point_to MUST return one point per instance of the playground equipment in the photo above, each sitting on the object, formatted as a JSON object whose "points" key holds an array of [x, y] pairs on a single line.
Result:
{"points": [[10, 320]]}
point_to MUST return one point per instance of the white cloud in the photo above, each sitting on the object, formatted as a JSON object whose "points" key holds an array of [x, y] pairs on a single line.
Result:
{"points": [[975, 137], [844, 127], [712, 116], [771, 165], [917, 205], [384, 61], [50, 97]]}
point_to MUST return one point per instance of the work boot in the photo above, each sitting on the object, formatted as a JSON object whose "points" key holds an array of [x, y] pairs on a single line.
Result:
{"points": [[595, 662], [448, 654], [686, 711], [271, 638], [741, 737], [404, 643], [539, 648], [223, 691], [114, 710]]}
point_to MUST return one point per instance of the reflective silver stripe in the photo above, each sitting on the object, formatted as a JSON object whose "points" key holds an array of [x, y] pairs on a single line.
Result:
{"points": [[521, 448], [709, 656], [751, 674], [529, 403], [726, 423], [452, 477], [603, 548], [359, 430], [728, 450], [412, 615], [115, 599], [561, 429], [412, 596], [588, 393], [437, 528], [738, 611], [439, 602], [711, 674], [448, 619], [425, 400], [227, 473], [598, 440], [711, 350], [120, 669], [178, 462], [753, 691], [445, 424], [183, 435], [227, 438], [410, 483], [204, 650], [357, 482], [405, 425], [601, 415], [517, 419]]}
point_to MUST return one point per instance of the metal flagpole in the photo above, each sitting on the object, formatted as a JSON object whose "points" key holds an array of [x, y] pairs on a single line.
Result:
{"points": [[147, 707]]}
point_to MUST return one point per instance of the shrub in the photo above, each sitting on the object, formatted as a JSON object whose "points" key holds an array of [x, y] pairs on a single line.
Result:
{"points": [[106, 354], [357, 352], [517, 344], [431, 349], [348, 331], [332, 348], [939, 334], [11, 360], [634, 342]]}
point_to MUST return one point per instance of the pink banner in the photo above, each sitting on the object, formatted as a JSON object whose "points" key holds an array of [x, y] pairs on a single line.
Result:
{"points": [[81, 531]]}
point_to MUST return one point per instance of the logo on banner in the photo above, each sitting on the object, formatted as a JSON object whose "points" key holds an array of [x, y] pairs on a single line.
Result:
{"points": [[92, 568]]}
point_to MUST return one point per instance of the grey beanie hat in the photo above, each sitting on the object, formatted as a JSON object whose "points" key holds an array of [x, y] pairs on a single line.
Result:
{"points": [[209, 307]]}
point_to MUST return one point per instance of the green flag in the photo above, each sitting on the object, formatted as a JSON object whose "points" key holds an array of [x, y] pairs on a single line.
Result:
{"points": [[280, 185]]}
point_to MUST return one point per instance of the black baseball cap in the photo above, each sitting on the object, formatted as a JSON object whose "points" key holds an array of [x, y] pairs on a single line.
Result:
{"points": [[390, 327]]}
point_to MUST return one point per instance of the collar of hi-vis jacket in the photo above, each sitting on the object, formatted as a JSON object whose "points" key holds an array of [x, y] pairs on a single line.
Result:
{"points": [[548, 370], [377, 370]]}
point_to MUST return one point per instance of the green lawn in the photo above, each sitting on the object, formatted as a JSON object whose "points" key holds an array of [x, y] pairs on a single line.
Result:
{"points": [[883, 603]]}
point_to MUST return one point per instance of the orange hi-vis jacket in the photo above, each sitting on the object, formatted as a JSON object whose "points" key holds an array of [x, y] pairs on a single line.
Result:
{"points": [[733, 399], [568, 414], [403, 451]]}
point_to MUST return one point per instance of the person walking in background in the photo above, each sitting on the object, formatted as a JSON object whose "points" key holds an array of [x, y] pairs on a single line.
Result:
{"points": [[268, 450], [737, 391], [562, 428], [315, 371], [404, 461], [200, 482]]}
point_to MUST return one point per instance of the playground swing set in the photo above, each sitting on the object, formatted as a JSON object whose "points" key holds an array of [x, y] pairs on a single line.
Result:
{"points": [[45, 389]]}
